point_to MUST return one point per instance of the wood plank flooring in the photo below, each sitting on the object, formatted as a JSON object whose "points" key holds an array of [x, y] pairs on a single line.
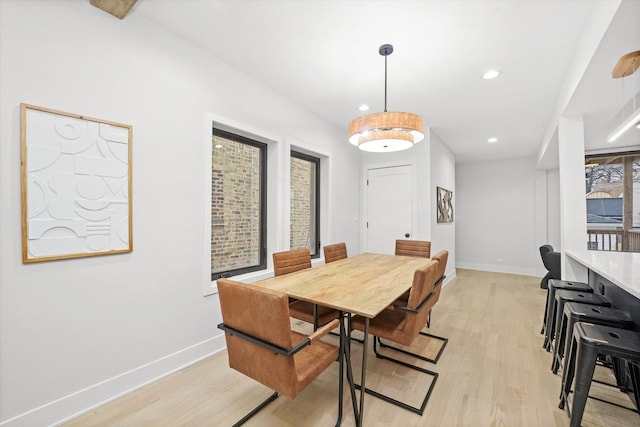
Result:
{"points": [[493, 372]]}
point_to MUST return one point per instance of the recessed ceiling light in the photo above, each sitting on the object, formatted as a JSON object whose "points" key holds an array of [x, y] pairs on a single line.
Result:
{"points": [[363, 107], [492, 140], [491, 74]]}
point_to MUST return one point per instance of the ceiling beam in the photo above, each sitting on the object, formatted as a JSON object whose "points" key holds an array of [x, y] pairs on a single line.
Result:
{"points": [[117, 8]]}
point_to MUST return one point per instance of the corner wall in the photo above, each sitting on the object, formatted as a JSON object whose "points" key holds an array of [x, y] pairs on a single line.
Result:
{"points": [[443, 174], [495, 219]]}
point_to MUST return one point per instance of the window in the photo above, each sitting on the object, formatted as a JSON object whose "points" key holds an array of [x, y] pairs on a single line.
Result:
{"points": [[612, 184], [238, 205], [305, 203]]}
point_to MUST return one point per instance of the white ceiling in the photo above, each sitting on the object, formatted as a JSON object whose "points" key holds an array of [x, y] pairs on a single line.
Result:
{"points": [[323, 54], [604, 102]]}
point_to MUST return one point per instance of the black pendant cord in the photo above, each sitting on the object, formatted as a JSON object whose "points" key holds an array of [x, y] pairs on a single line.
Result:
{"points": [[385, 83], [385, 50]]}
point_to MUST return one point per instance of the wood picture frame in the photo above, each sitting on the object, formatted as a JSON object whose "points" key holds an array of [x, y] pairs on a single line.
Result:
{"points": [[444, 205], [75, 185]]}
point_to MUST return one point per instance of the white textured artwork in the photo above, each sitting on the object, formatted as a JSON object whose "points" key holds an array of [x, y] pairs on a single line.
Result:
{"points": [[75, 185]]}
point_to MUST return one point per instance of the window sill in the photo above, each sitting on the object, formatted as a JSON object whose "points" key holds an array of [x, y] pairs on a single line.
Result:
{"points": [[252, 277]]}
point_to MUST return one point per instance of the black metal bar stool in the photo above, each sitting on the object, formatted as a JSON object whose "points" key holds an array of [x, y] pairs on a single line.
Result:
{"points": [[564, 296], [588, 344], [577, 312], [549, 313]]}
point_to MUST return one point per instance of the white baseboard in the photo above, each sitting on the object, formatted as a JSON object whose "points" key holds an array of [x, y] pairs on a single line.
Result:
{"points": [[498, 268], [449, 277], [83, 401]]}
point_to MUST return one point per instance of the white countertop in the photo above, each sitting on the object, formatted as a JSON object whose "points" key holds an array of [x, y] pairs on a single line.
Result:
{"points": [[621, 268]]}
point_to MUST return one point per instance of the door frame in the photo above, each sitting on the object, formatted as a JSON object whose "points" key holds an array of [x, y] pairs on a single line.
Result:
{"points": [[364, 196]]}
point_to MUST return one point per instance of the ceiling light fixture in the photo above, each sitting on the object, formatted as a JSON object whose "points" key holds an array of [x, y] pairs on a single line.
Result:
{"points": [[363, 107], [626, 66], [492, 140], [386, 131], [491, 74], [625, 126]]}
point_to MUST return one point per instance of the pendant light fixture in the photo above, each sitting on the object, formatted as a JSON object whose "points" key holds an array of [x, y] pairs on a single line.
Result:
{"points": [[386, 131], [626, 66]]}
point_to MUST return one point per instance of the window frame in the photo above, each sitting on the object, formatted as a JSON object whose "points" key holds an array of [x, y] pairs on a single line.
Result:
{"points": [[316, 160], [622, 236], [262, 256]]}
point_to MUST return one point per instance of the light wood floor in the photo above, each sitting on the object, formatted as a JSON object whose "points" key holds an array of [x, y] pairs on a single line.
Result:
{"points": [[493, 372]]}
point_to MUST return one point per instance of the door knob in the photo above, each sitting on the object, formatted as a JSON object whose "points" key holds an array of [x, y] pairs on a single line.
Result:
{"points": [[407, 235]]}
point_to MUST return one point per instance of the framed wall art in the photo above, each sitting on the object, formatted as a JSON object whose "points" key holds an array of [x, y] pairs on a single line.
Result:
{"points": [[76, 185], [444, 206]]}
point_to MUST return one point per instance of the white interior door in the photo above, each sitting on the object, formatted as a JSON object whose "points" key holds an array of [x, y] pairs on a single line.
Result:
{"points": [[389, 207]]}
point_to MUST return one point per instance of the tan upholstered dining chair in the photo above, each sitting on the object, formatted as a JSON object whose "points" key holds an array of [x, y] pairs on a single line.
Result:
{"points": [[420, 248], [403, 324], [335, 252], [291, 261], [442, 258], [295, 260], [261, 344]]}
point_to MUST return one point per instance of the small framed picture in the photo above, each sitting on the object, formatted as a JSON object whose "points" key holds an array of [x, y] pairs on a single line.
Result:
{"points": [[444, 205]]}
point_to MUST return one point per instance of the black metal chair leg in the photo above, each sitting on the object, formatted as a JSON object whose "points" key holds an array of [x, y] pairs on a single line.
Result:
{"points": [[418, 356], [568, 374], [635, 383], [257, 409], [584, 367], [416, 410], [549, 326]]}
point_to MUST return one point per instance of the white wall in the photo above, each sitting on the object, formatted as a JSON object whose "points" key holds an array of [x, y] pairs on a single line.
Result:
{"points": [[573, 208], [495, 216], [553, 208], [443, 174], [547, 213], [74, 333]]}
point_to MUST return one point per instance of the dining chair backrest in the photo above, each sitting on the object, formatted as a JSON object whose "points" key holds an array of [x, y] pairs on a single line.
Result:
{"points": [[544, 250], [335, 252], [289, 261], [554, 261], [442, 258], [264, 314], [422, 287], [419, 248]]}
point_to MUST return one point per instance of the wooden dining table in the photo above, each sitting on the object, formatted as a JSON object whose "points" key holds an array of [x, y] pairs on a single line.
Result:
{"points": [[362, 285]]}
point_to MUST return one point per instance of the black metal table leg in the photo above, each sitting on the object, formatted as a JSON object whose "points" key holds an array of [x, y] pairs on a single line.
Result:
{"points": [[363, 374]]}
